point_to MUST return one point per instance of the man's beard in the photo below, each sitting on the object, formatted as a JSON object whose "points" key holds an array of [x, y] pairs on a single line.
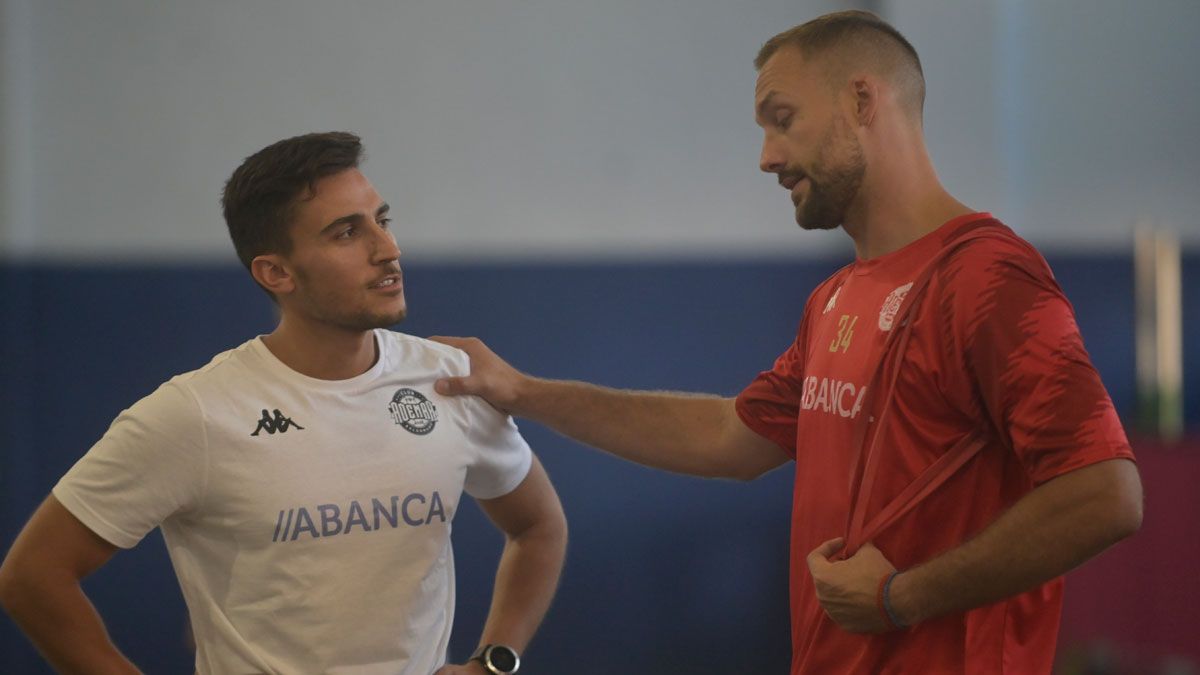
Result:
{"points": [[362, 320], [330, 310], [832, 186], [368, 321]]}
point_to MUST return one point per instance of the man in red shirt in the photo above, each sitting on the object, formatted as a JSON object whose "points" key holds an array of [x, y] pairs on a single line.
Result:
{"points": [[955, 451]]}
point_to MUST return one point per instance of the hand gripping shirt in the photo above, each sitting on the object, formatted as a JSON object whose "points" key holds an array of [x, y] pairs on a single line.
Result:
{"points": [[993, 353], [308, 520]]}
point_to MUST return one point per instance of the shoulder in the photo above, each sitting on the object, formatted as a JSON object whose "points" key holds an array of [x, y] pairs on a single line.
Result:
{"points": [[998, 281], [412, 352], [993, 268], [990, 252], [827, 290], [231, 365]]}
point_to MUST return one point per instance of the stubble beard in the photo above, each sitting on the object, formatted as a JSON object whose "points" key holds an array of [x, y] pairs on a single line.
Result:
{"points": [[329, 309], [367, 320], [833, 182]]}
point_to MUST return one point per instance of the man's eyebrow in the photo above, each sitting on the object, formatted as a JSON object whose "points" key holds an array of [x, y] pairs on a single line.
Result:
{"points": [[355, 217], [761, 109], [344, 220]]}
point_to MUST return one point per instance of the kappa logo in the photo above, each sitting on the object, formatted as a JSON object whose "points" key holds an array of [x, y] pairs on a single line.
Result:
{"points": [[832, 300], [277, 423], [887, 313], [413, 411]]}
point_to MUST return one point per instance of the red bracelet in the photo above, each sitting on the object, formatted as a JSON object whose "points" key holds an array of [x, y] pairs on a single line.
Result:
{"points": [[887, 617]]}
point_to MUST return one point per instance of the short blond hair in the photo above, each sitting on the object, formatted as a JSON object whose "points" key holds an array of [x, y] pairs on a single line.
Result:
{"points": [[856, 39]]}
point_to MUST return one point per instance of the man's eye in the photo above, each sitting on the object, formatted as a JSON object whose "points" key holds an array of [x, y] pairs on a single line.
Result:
{"points": [[385, 223], [783, 121], [345, 234]]}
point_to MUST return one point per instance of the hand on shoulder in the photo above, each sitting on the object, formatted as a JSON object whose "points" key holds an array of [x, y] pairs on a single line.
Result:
{"points": [[491, 377]]}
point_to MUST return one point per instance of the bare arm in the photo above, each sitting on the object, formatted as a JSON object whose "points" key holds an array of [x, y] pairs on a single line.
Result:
{"points": [[684, 433], [39, 588], [1049, 532], [535, 532]]}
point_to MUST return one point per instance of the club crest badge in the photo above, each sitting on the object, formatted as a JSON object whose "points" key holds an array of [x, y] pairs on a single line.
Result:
{"points": [[887, 313], [411, 410]]}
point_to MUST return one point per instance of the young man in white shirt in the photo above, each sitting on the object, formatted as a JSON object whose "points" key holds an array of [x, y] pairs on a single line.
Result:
{"points": [[306, 481]]}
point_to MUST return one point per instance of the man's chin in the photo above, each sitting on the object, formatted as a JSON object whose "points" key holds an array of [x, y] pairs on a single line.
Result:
{"points": [[393, 318], [813, 224], [373, 321]]}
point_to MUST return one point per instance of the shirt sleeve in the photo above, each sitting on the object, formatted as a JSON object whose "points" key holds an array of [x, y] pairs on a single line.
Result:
{"points": [[502, 458], [770, 404], [149, 465], [1030, 370]]}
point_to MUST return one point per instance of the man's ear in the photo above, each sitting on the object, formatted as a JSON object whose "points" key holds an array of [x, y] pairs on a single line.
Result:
{"points": [[865, 92], [272, 273]]}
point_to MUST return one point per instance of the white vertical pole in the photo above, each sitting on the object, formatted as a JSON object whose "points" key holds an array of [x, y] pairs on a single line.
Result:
{"points": [[1169, 328], [1159, 331], [1145, 327]]}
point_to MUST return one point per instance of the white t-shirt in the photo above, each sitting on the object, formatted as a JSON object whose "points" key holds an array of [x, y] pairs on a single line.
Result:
{"points": [[308, 520]]}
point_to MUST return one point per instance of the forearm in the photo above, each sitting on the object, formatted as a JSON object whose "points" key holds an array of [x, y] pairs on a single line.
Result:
{"points": [[526, 579], [64, 626], [670, 431], [1050, 531]]}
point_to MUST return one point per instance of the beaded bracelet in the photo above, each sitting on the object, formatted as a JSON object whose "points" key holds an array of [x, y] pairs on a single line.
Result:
{"points": [[884, 602]]}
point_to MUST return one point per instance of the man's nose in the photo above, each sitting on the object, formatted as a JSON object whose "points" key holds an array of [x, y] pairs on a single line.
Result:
{"points": [[771, 159], [386, 248]]}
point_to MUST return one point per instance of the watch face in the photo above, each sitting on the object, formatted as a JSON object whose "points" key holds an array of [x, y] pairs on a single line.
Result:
{"points": [[502, 658]]}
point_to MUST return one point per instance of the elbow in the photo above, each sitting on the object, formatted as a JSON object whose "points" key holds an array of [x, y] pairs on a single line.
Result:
{"points": [[1128, 517], [557, 529], [745, 474], [551, 539], [1125, 503], [550, 531], [746, 471], [748, 466], [8, 586]]}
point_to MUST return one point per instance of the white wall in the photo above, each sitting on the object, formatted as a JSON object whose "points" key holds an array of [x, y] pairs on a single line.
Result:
{"points": [[565, 127], [16, 121], [1071, 119]]}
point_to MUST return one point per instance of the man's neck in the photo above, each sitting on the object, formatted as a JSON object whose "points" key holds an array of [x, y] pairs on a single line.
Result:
{"points": [[322, 351], [901, 198], [889, 232], [899, 209]]}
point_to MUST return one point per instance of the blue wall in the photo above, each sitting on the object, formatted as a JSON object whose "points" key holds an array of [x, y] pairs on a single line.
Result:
{"points": [[665, 573]]}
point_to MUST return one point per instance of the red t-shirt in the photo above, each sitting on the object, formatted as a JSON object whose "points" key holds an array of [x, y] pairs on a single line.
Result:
{"points": [[994, 348]]}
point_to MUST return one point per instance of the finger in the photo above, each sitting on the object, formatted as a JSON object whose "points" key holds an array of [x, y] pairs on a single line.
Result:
{"points": [[870, 548], [814, 561], [829, 548], [819, 556], [448, 340], [451, 386]]}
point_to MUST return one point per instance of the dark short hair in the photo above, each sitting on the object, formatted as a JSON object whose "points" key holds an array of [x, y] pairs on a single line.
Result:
{"points": [[865, 36], [260, 197]]}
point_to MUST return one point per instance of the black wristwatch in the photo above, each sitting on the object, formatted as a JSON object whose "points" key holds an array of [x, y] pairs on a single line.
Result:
{"points": [[497, 659]]}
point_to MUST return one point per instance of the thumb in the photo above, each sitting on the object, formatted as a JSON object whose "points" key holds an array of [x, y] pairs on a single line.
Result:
{"points": [[829, 548], [871, 550], [818, 558], [447, 340], [450, 386]]}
